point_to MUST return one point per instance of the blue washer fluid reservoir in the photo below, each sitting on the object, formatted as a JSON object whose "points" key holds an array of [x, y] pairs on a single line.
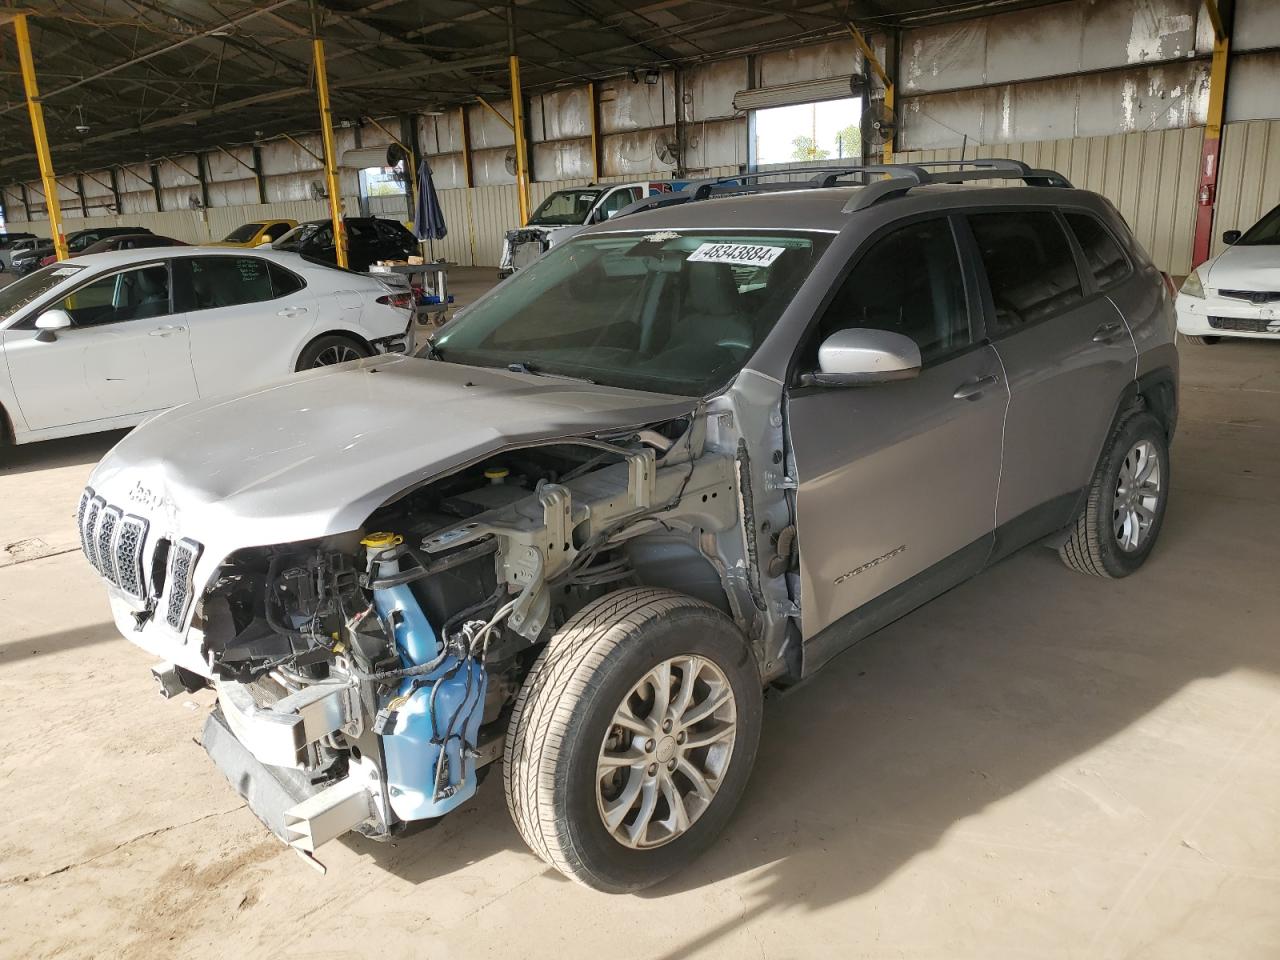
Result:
{"points": [[438, 713]]}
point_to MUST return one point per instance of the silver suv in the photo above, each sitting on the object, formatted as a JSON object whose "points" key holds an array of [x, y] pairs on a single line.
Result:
{"points": [[693, 453]]}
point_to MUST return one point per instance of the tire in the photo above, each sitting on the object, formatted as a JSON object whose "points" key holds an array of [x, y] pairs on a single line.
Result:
{"points": [[1108, 539], [330, 349], [568, 706], [1200, 341]]}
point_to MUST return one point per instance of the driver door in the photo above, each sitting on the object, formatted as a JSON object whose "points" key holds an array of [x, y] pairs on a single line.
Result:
{"points": [[126, 353], [897, 481]]}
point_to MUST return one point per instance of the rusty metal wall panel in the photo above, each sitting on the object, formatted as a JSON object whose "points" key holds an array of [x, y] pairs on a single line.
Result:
{"points": [[563, 114], [447, 171], [627, 106], [1251, 93], [814, 62], [1256, 25], [1249, 180], [489, 167], [1144, 98], [637, 153], [714, 143], [711, 86], [1053, 41], [561, 159], [487, 131], [441, 133], [1150, 177]]}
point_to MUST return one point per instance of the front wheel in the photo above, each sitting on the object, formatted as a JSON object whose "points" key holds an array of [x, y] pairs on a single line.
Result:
{"points": [[1119, 523], [632, 738]]}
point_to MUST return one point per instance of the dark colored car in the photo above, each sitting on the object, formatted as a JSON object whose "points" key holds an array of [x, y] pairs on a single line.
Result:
{"points": [[8, 239], [130, 241], [77, 242], [369, 239]]}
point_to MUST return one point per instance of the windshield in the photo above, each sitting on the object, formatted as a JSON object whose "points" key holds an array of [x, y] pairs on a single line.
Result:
{"points": [[305, 234], [242, 234], [22, 292], [565, 208], [669, 312], [1266, 232]]}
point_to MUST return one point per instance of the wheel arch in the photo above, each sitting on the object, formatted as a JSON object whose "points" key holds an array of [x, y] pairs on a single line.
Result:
{"points": [[338, 332]]}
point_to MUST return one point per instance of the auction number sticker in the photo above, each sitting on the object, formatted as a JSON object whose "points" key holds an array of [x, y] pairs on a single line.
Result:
{"points": [[736, 254]]}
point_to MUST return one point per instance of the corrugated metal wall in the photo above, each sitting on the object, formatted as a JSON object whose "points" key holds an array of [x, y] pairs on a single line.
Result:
{"points": [[1249, 180], [1150, 177]]}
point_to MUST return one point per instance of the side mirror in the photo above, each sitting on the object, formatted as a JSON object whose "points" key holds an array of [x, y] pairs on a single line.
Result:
{"points": [[1230, 237], [861, 356], [51, 321]]}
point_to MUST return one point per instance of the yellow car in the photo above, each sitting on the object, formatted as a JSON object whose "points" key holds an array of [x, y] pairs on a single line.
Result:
{"points": [[257, 233]]}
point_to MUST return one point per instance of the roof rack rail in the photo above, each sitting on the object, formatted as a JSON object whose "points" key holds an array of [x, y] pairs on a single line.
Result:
{"points": [[903, 177], [900, 177]]}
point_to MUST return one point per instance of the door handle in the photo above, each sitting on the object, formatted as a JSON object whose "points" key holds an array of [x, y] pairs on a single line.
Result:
{"points": [[165, 331], [973, 389], [291, 311], [1109, 332]]}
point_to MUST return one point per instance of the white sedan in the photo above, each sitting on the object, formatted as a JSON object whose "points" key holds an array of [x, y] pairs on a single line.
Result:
{"points": [[104, 341], [1236, 294]]}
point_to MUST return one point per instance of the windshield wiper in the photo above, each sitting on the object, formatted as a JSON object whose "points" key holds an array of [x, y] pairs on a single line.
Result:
{"points": [[522, 367]]}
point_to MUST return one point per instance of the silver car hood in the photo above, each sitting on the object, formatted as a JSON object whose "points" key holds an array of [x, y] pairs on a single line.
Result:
{"points": [[314, 455]]}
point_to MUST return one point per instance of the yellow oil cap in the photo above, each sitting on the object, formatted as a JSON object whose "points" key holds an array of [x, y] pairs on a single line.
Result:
{"points": [[496, 473], [382, 540]]}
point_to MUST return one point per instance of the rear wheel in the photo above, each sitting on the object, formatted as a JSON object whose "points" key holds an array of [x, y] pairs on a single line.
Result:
{"points": [[330, 349], [632, 738], [1119, 523], [1200, 341]]}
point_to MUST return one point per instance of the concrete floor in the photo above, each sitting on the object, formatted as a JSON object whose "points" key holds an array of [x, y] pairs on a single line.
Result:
{"points": [[1038, 764]]}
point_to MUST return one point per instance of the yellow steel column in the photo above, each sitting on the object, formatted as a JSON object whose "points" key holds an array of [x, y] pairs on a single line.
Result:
{"points": [[1211, 150], [522, 151], [883, 76], [888, 106], [326, 134], [42, 140]]}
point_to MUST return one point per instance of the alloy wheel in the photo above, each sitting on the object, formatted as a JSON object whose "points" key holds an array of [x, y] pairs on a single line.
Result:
{"points": [[338, 353], [666, 752], [1137, 496]]}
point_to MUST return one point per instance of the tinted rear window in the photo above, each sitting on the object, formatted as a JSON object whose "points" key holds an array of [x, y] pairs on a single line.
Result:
{"points": [[1101, 251], [1029, 264]]}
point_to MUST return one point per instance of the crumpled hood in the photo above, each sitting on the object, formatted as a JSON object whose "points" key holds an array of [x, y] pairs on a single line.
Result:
{"points": [[315, 454], [1245, 268]]}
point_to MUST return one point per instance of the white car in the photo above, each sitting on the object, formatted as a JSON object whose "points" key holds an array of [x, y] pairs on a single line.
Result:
{"points": [[566, 213], [1237, 293], [102, 342]]}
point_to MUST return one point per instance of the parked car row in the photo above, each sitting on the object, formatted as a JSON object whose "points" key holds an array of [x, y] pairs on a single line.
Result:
{"points": [[105, 340]]}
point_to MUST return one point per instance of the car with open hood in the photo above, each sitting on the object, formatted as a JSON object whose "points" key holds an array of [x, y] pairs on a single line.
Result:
{"points": [[692, 453], [565, 213]]}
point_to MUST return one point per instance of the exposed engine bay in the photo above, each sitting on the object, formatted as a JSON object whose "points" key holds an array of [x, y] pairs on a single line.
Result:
{"points": [[379, 667]]}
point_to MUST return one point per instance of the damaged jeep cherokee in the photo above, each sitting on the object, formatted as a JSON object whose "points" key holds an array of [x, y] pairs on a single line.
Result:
{"points": [[693, 453]]}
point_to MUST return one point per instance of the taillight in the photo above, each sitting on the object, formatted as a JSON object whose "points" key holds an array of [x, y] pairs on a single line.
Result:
{"points": [[401, 301]]}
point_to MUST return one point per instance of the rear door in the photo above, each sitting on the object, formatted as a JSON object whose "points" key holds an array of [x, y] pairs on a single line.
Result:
{"points": [[126, 353], [248, 318], [897, 481], [1066, 352]]}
